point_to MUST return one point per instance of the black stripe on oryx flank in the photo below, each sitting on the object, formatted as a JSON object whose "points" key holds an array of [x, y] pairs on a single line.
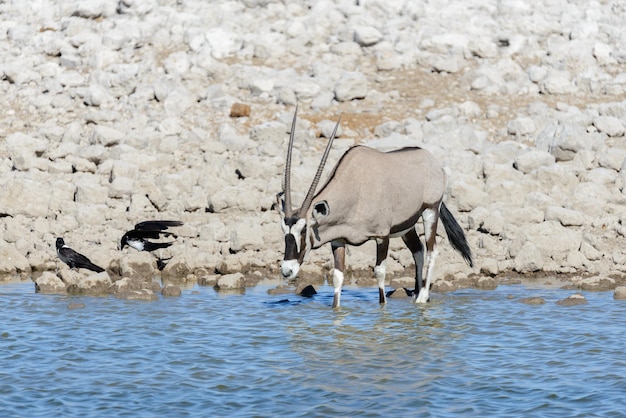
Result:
{"points": [[403, 226]]}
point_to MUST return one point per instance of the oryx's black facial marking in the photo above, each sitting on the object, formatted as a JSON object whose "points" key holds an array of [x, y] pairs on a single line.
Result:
{"points": [[291, 247], [295, 233], [291, 221]]}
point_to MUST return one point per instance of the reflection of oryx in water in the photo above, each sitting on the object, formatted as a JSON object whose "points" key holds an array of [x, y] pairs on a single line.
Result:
{"points": [[370, 195]]}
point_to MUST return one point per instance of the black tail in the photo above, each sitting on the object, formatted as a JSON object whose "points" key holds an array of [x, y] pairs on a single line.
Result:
{"points": [[95, 268], [455, 234]]}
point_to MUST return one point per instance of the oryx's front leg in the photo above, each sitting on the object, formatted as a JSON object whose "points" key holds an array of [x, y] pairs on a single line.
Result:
{"points": [[339, 256], [430, 218], [382, 249]]}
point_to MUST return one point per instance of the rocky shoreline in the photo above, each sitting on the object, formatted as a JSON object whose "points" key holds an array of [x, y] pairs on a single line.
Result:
{"points": [[115, 112]]}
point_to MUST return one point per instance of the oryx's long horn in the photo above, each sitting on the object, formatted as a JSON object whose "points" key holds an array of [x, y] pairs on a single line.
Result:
{"points": [[287, 174], [311, 193]]}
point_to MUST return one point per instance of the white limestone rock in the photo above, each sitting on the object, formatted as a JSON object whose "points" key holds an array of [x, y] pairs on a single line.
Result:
{"points": [[352, 85], [610, 125], [532, 160], [367, 35], [11, 260], [23, 196], [48, 282], [232, 281]]}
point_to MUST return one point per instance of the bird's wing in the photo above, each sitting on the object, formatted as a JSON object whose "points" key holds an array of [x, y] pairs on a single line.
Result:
{"points": [[138, 234], [156, 225], [73, 256]]}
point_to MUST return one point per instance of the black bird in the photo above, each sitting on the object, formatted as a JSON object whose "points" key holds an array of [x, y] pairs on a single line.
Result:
{"points": [[74, 259], [138, 237]]}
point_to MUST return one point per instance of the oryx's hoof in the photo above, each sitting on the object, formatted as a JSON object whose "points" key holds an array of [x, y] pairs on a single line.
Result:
{"points": [[422, 297]]}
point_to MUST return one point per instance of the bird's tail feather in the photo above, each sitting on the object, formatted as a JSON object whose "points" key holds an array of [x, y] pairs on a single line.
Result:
{"points": [[93, 267]]}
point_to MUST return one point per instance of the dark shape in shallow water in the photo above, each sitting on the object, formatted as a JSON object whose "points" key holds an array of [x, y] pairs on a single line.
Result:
{"points": [[308, 291], [284, 302]]}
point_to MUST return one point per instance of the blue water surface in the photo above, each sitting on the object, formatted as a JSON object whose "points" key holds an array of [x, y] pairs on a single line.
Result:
{"points": [[466, 353]]}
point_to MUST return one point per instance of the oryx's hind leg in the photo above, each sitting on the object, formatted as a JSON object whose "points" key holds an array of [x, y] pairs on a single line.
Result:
{"points": [[430, 218], [413, 243], [382, 248], [339, 257]]}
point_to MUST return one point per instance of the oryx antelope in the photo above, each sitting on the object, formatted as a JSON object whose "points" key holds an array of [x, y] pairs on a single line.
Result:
{"points": [[370, 195]]}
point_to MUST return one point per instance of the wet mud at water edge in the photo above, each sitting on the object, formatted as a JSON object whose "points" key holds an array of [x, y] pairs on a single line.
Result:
{"points": [[471, 352]]}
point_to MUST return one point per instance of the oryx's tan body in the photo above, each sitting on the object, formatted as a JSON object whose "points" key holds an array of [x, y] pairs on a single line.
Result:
{"points": [[373, 194]]}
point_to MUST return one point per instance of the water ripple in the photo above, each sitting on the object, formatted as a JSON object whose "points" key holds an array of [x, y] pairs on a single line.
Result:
{"points": [[467, 353]]}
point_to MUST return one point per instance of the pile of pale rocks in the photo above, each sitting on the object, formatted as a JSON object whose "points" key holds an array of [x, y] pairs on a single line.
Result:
{"points": [[114, 112]]}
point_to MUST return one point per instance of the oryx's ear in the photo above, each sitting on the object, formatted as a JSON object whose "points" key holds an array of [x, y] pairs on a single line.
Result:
{"points": [[280, 203], [320, 209]]}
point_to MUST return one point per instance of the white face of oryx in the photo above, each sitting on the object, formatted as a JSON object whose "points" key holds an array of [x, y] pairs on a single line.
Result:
{"points": [[295, 246]]}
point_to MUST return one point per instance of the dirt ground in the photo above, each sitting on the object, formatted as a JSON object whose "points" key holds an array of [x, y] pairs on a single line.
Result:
{"points": [[417, 91]]}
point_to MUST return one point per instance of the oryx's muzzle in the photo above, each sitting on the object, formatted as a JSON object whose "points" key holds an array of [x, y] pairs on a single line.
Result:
{"points": [[290, 268]]}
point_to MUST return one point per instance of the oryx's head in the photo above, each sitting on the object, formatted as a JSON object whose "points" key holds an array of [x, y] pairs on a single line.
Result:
{"points": [[295, 222]]}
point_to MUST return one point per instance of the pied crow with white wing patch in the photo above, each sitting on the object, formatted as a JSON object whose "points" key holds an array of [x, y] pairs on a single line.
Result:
{"points": [[138, 238], [74, 259]]}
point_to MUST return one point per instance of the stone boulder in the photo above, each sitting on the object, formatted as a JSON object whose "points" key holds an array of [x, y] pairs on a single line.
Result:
{"points": [[70, 277], [171, 290], [137, 265], [400, 293], [554, 240], [529, 259], [24, 151], [281, 289], [176, 270], [12, 261], [23, 196], [208, 280], [532, 160], [143, 294], [573, 300], [597, 283], [127, 284], [566, 217], [48, 282], [444, 286], [533, 300], [487, 283], [563, 141], [352, 85], [234, 281], [620, 293], [96, 285]]}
